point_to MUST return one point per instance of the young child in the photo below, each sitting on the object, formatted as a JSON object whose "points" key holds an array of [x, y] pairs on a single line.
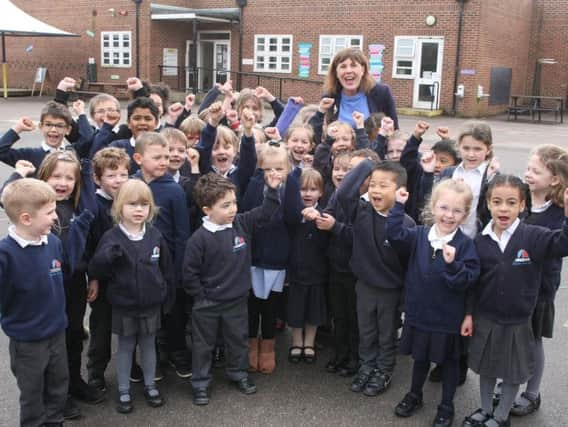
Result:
{"points": [[217, 275], [110, 171], [395, 145], [300, 141], [513, 255], [133, 258], [443, 264], [32, 301], [475, 144], [191, 128], [270, 252], [379, 270], [547, 178], [307, 272]]}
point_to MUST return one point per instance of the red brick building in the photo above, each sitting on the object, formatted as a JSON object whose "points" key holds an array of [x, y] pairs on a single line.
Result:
{"points": [[413, 45]]}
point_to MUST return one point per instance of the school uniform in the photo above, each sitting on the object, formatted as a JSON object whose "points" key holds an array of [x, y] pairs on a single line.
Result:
{"points": [[504, 300], [216, 273], [410, 160], [307, 274], [380, 273]]}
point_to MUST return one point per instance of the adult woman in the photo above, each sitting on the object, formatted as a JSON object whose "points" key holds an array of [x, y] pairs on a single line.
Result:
{"points": [[348, 81]]}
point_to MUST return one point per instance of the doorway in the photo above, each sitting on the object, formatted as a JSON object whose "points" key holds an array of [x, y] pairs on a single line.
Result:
{"points": [[427, 84], [213, 60]]}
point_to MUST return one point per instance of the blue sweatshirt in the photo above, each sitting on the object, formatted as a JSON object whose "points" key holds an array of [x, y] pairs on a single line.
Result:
{"points": [[435, 291], [32, 297]]}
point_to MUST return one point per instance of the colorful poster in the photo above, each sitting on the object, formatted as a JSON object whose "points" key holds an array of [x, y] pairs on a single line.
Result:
{"points": [[376, 60], [304, 63]]}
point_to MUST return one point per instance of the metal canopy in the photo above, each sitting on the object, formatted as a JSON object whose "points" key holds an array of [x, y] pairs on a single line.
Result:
{"points": [[162, 12]]}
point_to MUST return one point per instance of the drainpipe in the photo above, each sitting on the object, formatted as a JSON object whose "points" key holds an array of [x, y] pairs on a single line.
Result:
{"points": [[137, 3], [458, 53], [241, 4]]}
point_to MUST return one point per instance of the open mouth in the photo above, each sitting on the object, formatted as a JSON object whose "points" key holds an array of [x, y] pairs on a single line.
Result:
{"points": [[503, 219]]}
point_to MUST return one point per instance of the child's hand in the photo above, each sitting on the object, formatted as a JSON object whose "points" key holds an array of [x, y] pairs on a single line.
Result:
{"points": [[24, 124], [112, 117], [325, 222], [174, 111], [272, 134], [325, 104], [428, 161], [297, 100], [79, 107], [401, 195], [133, 84], [443, 132], [264, 94], [193, 157], [332, 132], [387, 127], [225, 87], [310, 214], [232, 116], [359, 119], [92, 290], [189, 100], [449, 253], [66, 84], [493, 168], [248, 120], [420, 129], [467, 326], [24, 168], [273, 178], [215, 114]]}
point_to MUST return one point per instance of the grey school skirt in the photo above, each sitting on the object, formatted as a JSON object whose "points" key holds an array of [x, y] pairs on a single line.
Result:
{"points": [[502, 351], [129, 325]]}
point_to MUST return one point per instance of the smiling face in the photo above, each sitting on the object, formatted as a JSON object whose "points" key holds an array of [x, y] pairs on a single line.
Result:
{"points": [[340, 169], [141, 120], [54, 130], [310, 193], [505, 204], [394, 149], [112, 179], [178, 155], [449, 212], [223, 210], [382, 190], [349, 74], [223, 154], [343, 141], [473, 152], [154, 161], [275, 162], [63, 179], [299, 144], [538, 177], [101, 109], [254, 105]]}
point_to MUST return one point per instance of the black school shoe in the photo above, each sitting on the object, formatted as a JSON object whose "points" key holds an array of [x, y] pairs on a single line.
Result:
{"points": [[98, 382], [476, 418], [348, 368], [377, 384], [408, 405], [444, 417], [181, 362], [71, 411], [83, 392], [333, 366], [521, 410], [200, 396], [360, 381], [153, 397], [492, 422], [245, 385], [124, 403]]}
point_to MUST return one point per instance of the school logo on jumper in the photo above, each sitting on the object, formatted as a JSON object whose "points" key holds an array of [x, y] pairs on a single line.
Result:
{"points": [[155, 254], [386, 244], [522, 258], [239, 244], [55, 267]]}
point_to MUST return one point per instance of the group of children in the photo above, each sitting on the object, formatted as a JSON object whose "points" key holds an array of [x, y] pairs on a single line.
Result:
{"points": [[199, 226]]}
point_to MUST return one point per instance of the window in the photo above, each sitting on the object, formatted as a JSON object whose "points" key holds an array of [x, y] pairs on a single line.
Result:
{"points": [[273, 53], [403, 62], [331, 44], [116, 49]]}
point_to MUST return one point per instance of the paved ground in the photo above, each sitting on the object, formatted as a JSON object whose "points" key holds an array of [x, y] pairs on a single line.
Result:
{"points": [[306, 395]]}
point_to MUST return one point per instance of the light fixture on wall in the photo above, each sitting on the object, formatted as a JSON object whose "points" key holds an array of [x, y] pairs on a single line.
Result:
{"points": [[430, 20]]}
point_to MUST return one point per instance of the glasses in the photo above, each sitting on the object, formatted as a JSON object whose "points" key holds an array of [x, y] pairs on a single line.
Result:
{"points": [[56, 126], [106, 110]]}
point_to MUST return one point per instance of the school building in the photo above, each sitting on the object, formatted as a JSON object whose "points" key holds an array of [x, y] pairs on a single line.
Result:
{"points": [[463, 56]]}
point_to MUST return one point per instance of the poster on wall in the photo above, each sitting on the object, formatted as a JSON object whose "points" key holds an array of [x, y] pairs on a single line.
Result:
{"points": [[170, 62], [304, 66], [376, 60]]}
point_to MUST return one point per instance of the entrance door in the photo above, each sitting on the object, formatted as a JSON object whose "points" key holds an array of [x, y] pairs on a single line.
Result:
{"points": [[221, 49], [428, 79], [213, 58], [190, 81]]}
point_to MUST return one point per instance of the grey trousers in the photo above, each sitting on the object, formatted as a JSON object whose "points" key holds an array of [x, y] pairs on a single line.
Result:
{"points": [[41, 371], [377, 315], [207, 318]]}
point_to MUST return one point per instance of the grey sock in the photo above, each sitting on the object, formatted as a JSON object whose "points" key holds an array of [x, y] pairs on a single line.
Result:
{"points": [[533, 386], [486, 388], [510, 391]]}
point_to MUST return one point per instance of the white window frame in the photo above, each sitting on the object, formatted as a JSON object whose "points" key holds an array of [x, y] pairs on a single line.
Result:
{"points": [[329, 44], [279, 54], [118, 51], [400, 54]]}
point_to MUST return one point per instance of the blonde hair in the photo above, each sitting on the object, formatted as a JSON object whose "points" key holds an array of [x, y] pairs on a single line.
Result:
{"points": [[227, 135], [147, 139], [49, 164], [555, 159], [192, 126], [307, 128], [311, 177], [268, 150], [174, 135], [345, 126], [133, 191], [458, 187], [331, 84], [99, 99], [480, 131], [26, 195]]}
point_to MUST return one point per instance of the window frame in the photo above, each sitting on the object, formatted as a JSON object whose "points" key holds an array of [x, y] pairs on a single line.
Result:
{"points": [[279, 54], [121, 50], [404, 57], [333, 48]]}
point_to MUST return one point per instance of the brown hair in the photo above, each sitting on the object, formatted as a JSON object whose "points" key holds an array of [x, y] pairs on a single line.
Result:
{"points": [[56, 110], [192, 126], [307, 128], [134, 191], [26, 195], [555, 159], [311, 177], [458, 187], [365, 153], [244, 96], [226, 134], [346, 126], [110, 158], [210, 188], [99, 99], [147, 139], [479, 131], [49, 164], [331, 84], [174, 135]]}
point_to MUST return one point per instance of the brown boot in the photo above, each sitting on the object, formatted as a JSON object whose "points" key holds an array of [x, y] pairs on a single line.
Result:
{"points": [[253, 354], [267, 358]]}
